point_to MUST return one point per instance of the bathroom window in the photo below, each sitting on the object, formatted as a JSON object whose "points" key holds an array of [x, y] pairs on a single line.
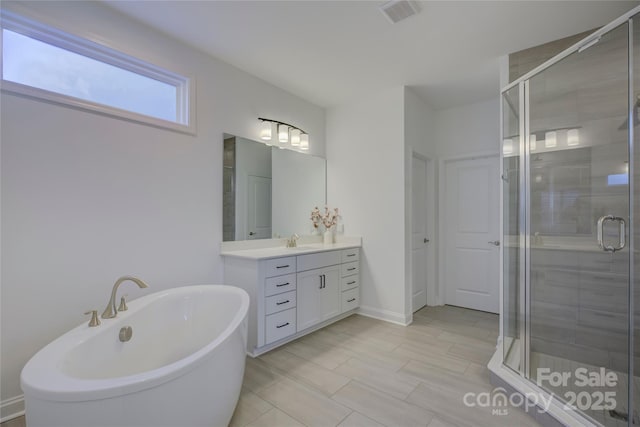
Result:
{"points": [[45, 63]]}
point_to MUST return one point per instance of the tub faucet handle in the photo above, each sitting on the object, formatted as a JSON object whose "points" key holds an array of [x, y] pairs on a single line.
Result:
{"points": [[123, 303], [95, 321]]}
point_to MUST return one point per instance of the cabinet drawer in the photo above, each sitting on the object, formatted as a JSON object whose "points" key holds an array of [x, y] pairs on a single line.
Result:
{"points": [[279, 266], [350, 299], [280, 302], [318, 260], [280, 325], [350, 268], [349, 255], [349, 282], [280, 284]]}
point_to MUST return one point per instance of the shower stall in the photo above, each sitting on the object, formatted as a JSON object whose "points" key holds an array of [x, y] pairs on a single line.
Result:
{"points": [[571, 203]]}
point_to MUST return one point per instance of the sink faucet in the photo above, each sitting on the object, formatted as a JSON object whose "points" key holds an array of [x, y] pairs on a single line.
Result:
{"points": [[110, 312], [293, 241]]}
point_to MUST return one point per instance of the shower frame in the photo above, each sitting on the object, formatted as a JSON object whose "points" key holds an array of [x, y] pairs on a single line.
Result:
{"points": [[520, 379]]}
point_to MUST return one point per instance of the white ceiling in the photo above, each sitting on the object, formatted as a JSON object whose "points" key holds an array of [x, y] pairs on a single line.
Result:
{"points": [[332, 52]]}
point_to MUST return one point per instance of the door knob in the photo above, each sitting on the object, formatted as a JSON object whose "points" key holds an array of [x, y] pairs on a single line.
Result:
{"points": [[251, 233], [426, 240], [495, 242]]}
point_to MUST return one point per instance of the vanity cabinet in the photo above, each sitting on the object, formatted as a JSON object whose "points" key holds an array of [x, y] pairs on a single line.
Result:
{"points": [[291, 296]]}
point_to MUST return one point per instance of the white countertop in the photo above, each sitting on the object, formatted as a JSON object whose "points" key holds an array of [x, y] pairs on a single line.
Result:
{"points": [[305, 246]]}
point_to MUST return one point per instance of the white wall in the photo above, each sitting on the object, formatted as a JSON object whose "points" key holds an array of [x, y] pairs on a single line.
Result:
{"points": [[468, 129], [88, 198], [365, 176], [419, 122]]}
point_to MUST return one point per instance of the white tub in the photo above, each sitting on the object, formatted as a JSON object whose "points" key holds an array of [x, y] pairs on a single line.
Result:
{"points": [[182, 367]]}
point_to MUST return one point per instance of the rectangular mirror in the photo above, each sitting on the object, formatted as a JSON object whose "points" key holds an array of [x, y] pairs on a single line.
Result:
{"points": [[268, 192]]}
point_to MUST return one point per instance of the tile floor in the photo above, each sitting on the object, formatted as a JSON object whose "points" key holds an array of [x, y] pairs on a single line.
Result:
{"points": [[365, 372]]}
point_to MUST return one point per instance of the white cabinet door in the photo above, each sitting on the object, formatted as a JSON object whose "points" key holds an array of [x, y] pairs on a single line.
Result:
{"points": [[308, 299], [330, 293], [318, 297]]}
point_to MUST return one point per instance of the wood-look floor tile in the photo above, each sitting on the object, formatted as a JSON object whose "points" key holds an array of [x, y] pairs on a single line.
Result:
{"points": [[15, 422], [356, 419], [428, 346], [275, 418], [437, 422], [327, 356], [484, 343], [301, 369], [250, 407], [464, 329], [471, 353], [306, 405], [450, 407], [258, 375], [444, 379], [439, 361], [364, 352], [382, 407], [396, 384]]}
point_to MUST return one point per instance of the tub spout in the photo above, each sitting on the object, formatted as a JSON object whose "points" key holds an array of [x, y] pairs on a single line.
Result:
{"points": [[110, 312]]}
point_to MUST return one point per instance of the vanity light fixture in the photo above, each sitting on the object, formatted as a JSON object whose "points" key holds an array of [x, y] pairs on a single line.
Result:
{"points": [[286, 133], [532, 142]]}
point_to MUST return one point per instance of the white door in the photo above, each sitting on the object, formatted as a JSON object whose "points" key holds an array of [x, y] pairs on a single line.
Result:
{"points": [[472, 233], [419, 237], [259, 208]]}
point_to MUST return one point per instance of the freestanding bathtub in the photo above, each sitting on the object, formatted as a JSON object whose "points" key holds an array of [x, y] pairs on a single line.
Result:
{"points": [[183, 365]]}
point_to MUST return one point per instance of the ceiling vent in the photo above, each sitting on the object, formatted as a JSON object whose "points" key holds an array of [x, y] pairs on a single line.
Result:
{"points": [[397, 10]]}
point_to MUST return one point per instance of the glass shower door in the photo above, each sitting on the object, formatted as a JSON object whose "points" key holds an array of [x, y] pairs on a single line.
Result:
{"points": [[578, 212]]}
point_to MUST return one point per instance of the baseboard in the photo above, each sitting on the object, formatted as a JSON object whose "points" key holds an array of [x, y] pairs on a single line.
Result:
{"points": [[11, 408], [386, 315]]}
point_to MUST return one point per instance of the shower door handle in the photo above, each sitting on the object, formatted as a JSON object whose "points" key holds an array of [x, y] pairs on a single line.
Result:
{"points": [[622, 226]]}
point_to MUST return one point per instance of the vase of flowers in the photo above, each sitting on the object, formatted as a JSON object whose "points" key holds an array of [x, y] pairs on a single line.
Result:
{"points": [[328, 219]]}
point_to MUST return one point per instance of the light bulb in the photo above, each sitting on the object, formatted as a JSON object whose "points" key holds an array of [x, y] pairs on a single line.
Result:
{"points": [[507, 146], [304, 141], [265, 132], [573, 138], [295, 137], [550, 140], [283, 133]]}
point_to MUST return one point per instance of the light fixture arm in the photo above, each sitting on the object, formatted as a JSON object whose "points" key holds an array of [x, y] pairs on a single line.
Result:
{"points": [[281, 123]]}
